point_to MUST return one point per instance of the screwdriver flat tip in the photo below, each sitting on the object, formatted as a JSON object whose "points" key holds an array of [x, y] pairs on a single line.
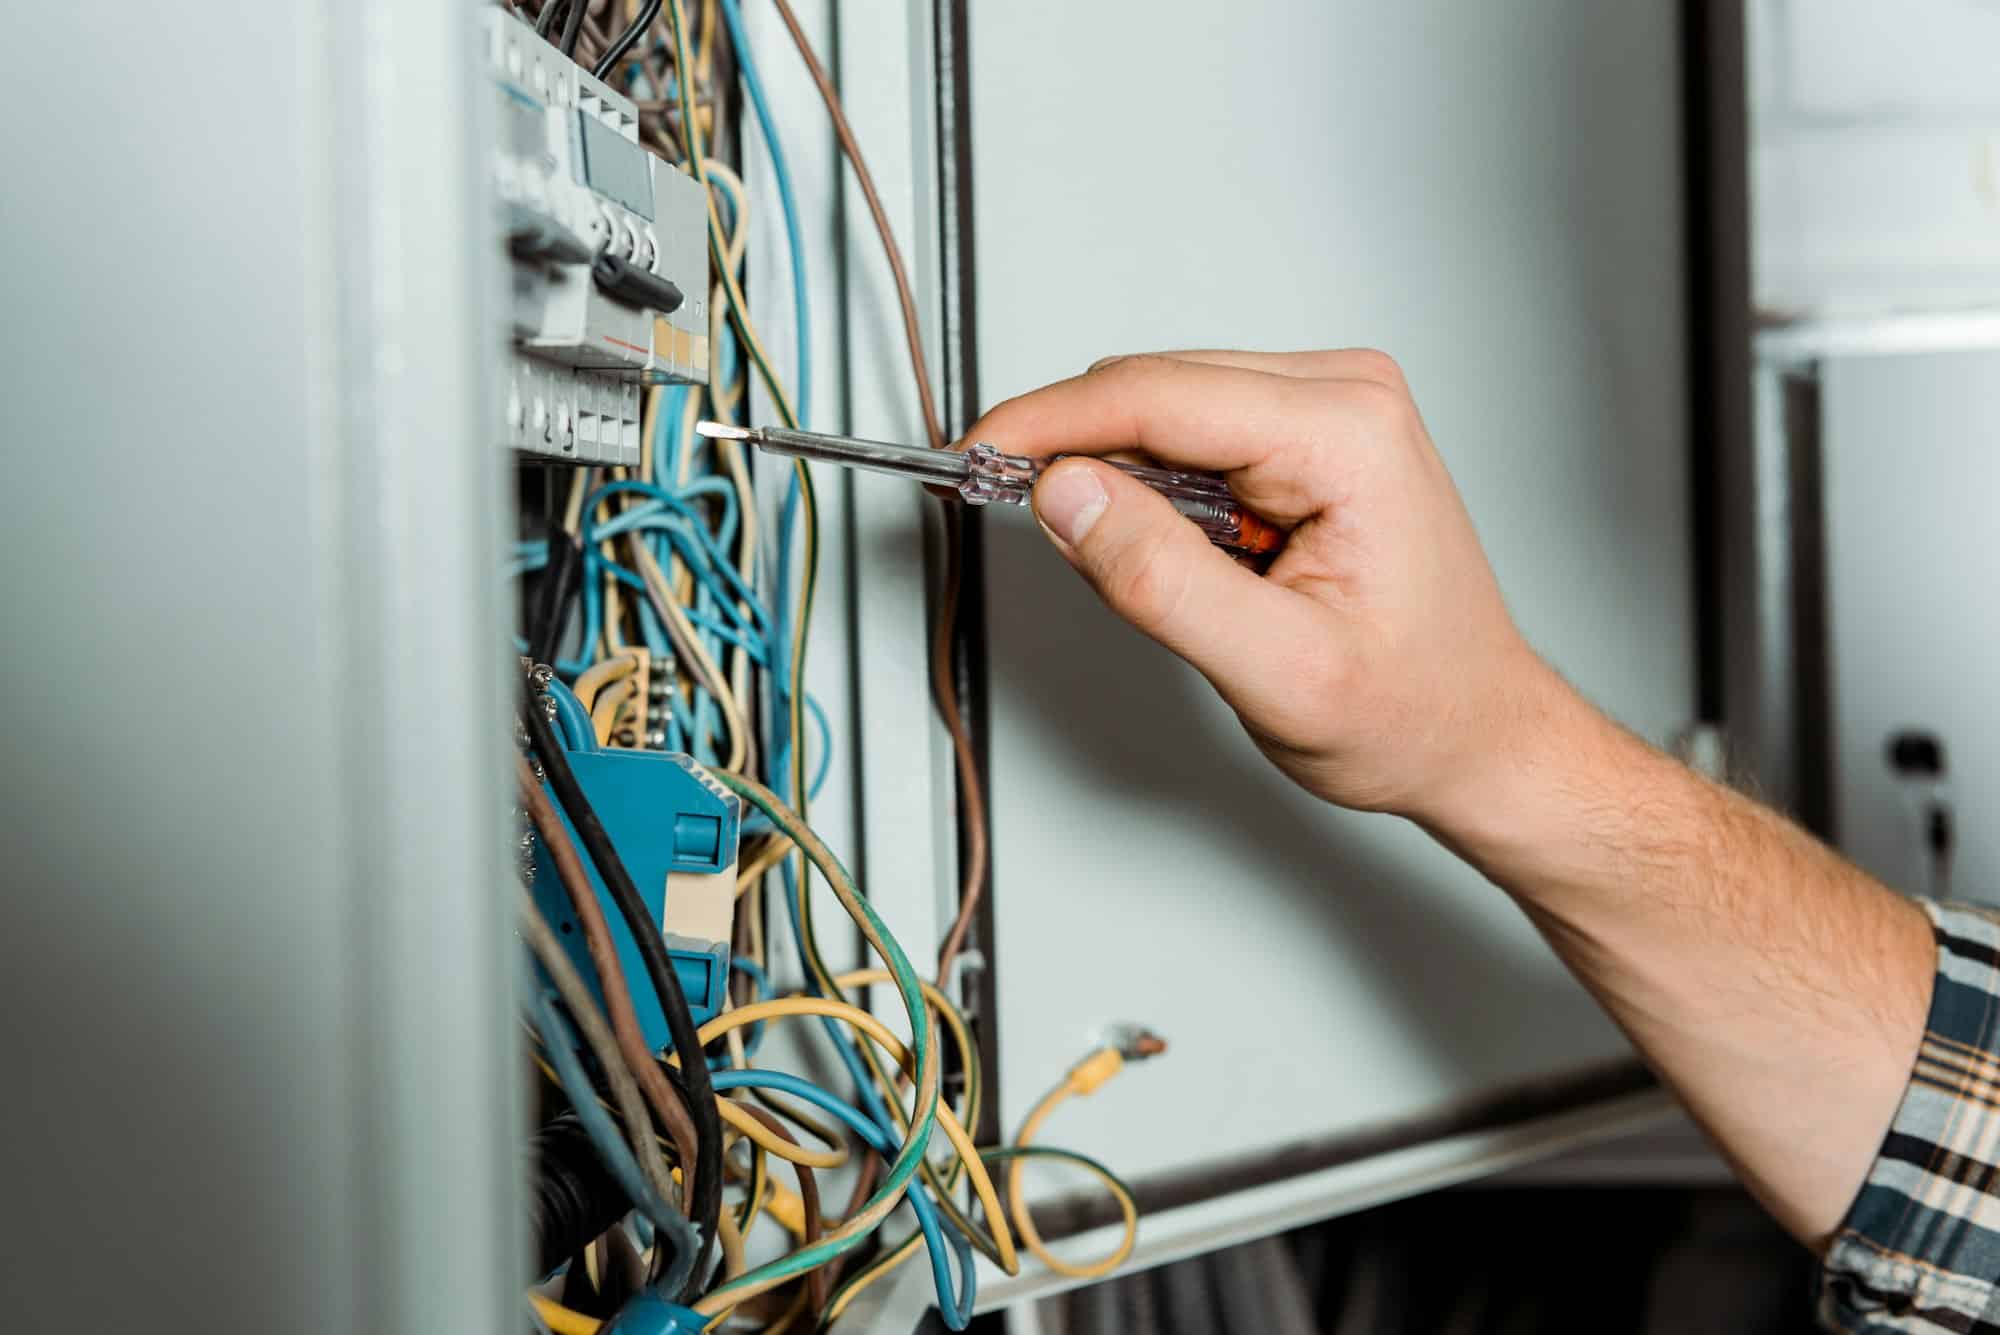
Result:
{"points": [[723, 431]]}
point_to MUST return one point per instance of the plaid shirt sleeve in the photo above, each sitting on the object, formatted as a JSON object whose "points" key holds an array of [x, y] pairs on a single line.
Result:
{"points": [[1920, 1248]]}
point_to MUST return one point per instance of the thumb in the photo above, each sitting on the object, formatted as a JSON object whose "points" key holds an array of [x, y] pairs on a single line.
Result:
{"points": [[1153, 567]]}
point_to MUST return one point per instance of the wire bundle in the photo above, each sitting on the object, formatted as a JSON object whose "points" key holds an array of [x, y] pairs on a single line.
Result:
{"points": [[675, 609]]}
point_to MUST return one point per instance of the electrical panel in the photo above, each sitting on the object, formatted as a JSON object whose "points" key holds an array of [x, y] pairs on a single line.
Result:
{"points": [[608, 256]]}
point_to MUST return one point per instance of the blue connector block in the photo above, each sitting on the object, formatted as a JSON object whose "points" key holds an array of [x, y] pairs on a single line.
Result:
{"points": [[664, 815], [648, 1314]]}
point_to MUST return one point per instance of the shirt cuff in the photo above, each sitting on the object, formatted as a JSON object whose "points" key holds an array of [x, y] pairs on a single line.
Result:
{"points": [[1920, 1247]]}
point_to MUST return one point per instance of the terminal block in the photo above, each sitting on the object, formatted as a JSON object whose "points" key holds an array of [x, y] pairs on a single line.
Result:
{"points": [[607, 250], [676, 830]]}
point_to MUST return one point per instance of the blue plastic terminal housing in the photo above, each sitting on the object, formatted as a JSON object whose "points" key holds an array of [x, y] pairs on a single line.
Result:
{"points": [[664, 815], [650, 1314]]}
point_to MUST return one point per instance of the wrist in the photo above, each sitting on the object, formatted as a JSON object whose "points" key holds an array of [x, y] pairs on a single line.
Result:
{"points": [[1543, 763]]}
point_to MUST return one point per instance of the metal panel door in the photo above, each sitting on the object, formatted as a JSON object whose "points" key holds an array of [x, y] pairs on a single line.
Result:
{"points": [[1910, 459]]}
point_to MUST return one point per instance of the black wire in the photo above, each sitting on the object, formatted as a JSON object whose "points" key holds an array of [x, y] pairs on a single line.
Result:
{"points": [[547, 18], [659, 969], [632, 34], [562, 577], [572, 26]]}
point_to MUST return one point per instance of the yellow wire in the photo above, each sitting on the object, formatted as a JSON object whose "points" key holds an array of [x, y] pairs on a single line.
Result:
{"points": [[746, 550], [563, 1320], [793, 1007], [596, 677], [729, 453], [1024, 1224], [763, 1185], [609, 634], [1097, 1269], [733, 1263], [776, 850], [770, 1141], [689, 644], [573, 511], [731, 1239], [726, 397], [721, 174], [954, 1019], [739, 314], [648, 419], [680, 575], [704, 60], [739, 308], [604, 718]]}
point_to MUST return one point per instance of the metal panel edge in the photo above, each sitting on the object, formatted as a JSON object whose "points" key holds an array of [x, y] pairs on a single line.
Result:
{"points": [[413, 552]]}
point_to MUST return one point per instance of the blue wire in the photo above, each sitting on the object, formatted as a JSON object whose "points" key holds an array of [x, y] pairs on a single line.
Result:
{"points": [[572, 718], [780, 630], [760, 987], [652, 632], [707, 723], [825, 746], [709, 485], [703, 621], [843, 1042], [957, 1312], [682, 722], [577, 728], [746, 65], [781, 756], [669, 443], [560, 1044], [717, 559], [667, 446]]}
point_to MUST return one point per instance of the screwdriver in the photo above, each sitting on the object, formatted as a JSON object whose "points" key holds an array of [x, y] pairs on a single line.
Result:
{"points": [[981, 473]]}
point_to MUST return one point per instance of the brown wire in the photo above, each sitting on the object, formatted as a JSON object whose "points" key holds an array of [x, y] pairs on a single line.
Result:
{"points": [[864, 1187], [818, 1282], [943, 683], [664, 1098], [845, 134]]}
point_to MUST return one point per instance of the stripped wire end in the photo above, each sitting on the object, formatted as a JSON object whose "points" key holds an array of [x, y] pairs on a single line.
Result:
{"points": [[723, 431], [1136, 1044]]}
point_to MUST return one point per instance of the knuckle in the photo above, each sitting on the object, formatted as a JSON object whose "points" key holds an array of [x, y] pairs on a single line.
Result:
{"points": [[1375, 404], [1131, 364], [1372, 364]]}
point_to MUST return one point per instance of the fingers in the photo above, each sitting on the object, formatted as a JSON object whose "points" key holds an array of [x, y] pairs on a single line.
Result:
{"points": [[1333, 364], [1186, 413], [1158, 571], [1288, 443]]}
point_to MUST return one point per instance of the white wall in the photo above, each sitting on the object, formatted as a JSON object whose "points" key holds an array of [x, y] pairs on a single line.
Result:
{"points": [[1493, 193]]}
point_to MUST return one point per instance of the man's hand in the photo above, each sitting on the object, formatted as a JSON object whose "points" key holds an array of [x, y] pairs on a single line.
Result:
{"points": [[1779, 990], [1374, 661]]}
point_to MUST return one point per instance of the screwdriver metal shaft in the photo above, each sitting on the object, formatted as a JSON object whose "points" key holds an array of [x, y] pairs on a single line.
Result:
{"points": [[980, 474]]}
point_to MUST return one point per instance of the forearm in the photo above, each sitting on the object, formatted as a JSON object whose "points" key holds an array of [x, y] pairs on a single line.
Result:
{"points": [[1778, 989]]}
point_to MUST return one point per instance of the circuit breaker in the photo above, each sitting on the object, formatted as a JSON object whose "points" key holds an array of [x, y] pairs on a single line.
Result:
{"points": [[608, 256]]}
